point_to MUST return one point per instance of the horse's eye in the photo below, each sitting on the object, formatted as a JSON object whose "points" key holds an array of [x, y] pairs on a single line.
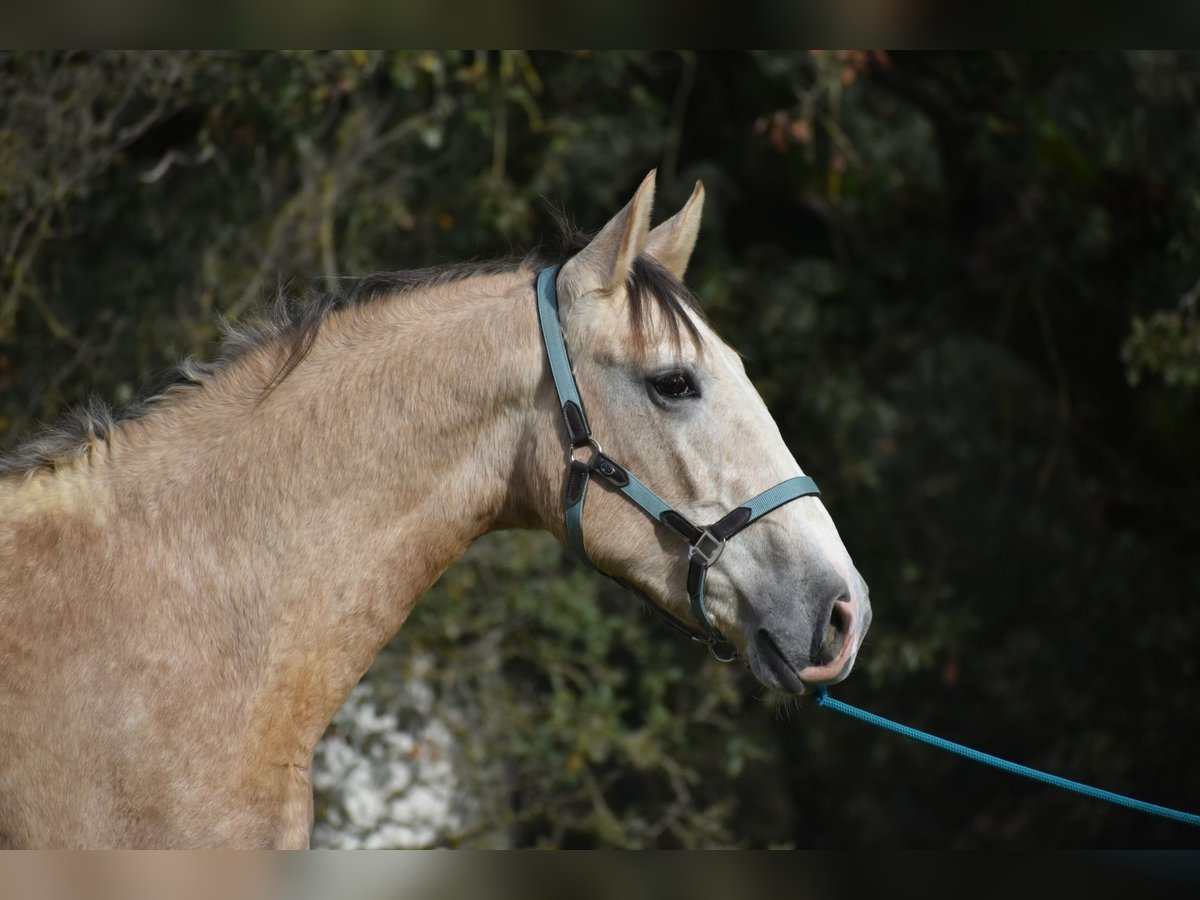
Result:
{"points": [[675, 384]]}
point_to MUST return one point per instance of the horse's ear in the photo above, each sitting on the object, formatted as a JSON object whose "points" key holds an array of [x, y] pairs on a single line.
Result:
{"points": [[604, 264], [672, 242]]}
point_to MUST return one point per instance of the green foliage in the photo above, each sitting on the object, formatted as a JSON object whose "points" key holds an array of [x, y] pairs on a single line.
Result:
{"points": [[956, 279], [1166, 343]]}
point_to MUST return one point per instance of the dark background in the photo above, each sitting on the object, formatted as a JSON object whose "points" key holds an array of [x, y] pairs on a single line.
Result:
{"points": [[966, 285]]}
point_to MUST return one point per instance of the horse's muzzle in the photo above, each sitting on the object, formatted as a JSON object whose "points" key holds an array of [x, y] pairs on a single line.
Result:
{"points": [[794, 654]]}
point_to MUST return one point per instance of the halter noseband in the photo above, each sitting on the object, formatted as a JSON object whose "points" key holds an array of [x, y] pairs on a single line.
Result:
{"points": [[705, 543]]}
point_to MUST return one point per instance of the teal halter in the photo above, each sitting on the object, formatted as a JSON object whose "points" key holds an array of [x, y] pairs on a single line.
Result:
{"points": [[705, 543]]}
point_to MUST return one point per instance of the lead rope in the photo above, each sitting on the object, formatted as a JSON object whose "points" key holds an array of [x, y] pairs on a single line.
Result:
{"points": [[826, 702]]}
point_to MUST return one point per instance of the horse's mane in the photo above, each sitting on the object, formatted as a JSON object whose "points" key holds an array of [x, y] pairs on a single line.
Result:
{"points": [[293, 322]]}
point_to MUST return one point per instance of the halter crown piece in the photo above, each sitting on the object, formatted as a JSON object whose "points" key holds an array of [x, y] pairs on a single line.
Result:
{"points": [[704, 543]]}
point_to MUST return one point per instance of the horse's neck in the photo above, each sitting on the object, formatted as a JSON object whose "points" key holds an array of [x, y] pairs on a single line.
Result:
{"points": [[295, 534]]}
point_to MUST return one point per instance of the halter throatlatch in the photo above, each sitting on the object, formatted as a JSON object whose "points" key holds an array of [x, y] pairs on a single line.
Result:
{"points": [[705, 543]]}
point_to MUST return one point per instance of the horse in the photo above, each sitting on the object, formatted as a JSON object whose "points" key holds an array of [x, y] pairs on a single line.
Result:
{"points": [[189, 592]]}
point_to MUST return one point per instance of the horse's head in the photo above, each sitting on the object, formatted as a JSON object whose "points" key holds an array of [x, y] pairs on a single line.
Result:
{"points": [[671, 403]]}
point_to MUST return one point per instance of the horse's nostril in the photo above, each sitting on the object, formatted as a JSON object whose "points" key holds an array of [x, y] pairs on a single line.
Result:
{"points": [[836, 631]]}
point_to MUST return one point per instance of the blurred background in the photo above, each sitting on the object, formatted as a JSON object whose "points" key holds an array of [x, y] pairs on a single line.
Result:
{"points": [[966, 285]]}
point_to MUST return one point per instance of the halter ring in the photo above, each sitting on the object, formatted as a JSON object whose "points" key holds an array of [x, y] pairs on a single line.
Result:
{"points": [[591, 442]]}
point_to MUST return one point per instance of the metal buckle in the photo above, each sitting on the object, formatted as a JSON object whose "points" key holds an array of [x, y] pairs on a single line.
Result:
{"points": [[707, 557], [591, 442]]}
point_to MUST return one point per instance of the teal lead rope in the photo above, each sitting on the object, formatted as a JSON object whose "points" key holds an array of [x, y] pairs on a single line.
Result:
{"points": [[827, 702]]}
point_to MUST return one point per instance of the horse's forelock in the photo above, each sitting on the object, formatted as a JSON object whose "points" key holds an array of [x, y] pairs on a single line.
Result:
{"points": [[652, 288]]}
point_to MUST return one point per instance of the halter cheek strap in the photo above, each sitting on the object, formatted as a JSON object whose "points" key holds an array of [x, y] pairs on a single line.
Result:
{"points": [[705, 543]]}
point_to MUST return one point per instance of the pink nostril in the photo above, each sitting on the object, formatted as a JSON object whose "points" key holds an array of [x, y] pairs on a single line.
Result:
{"points": [[837, 643]]}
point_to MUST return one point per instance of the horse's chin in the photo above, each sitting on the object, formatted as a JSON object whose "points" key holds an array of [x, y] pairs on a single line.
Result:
{"points": [[768, 664]]}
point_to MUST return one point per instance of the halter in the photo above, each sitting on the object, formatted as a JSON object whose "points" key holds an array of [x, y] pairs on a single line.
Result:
{"points": [[705, 542]]}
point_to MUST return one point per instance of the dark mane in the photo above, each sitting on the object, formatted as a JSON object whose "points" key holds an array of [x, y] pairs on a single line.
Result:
{"points": [[295, 322]]}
